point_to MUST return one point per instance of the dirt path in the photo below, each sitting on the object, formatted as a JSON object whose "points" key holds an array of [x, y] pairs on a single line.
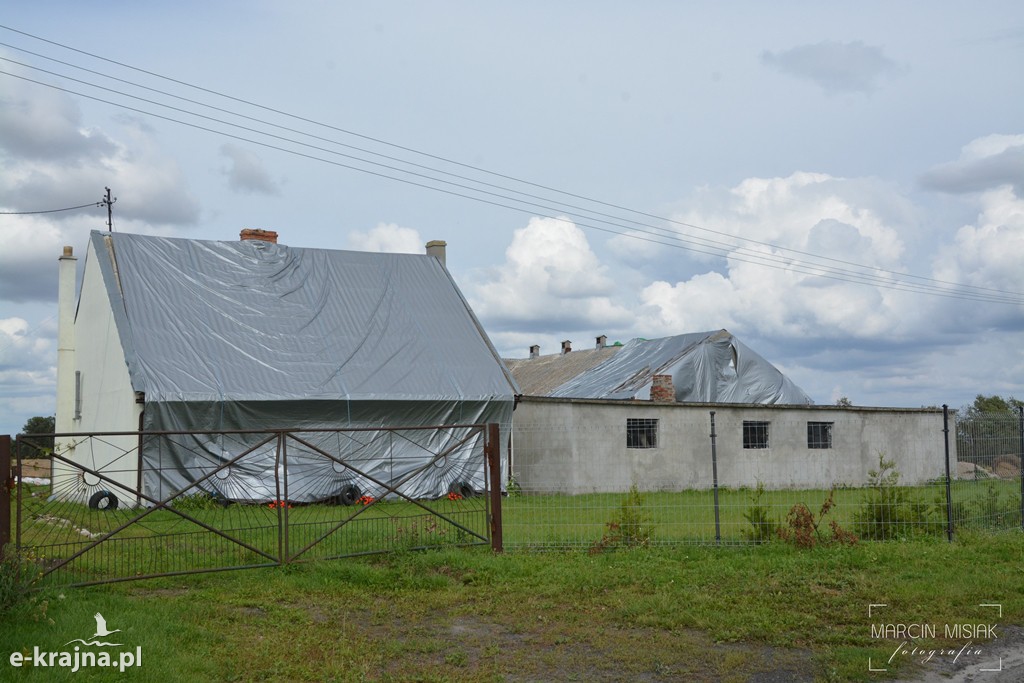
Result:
{"points": [[1005, 656]]}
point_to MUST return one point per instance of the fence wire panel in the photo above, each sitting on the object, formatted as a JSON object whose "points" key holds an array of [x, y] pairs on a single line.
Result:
{"points": [[119, 506], [603, 476], [987, 486]]}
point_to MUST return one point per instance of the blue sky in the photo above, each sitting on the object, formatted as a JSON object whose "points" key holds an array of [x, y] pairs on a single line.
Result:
{"points": [[886, 138]]}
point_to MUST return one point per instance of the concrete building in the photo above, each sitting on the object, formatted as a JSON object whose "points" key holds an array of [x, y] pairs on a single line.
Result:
{"points": [[606, 418]]}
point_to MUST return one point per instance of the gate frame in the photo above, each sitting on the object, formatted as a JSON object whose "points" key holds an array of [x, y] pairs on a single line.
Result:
{"points": [[491, 511]]}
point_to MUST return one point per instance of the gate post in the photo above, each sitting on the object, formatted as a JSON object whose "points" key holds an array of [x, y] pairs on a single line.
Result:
{"points": [[492, 451], [7, 484]]}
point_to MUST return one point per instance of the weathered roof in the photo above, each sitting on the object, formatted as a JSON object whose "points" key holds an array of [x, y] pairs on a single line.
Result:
{"points": [[710, 367], [205, 320], [541, 376]]}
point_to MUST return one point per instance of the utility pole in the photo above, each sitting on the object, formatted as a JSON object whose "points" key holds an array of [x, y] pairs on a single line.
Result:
{"points": [[109, 203]]}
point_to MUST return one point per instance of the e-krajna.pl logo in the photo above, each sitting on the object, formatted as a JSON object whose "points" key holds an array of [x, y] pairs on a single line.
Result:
{"points": [[79, 657]]}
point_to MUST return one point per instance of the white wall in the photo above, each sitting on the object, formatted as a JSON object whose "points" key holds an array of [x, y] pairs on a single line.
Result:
{"points": [[108, 400], [579, 446]]}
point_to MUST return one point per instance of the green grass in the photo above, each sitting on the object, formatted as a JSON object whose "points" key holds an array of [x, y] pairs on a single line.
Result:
{"points": [[164, 541], [689, 516], [682, 613]]}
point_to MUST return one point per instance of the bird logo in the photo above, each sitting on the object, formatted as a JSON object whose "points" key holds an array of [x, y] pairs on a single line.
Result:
{"points": [[101, 632]]}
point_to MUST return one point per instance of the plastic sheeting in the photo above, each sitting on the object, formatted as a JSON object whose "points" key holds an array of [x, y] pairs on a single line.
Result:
{"points": [[709, 367], [255, 335]]}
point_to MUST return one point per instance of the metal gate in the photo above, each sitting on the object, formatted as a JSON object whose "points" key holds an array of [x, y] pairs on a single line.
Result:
{"points": [[126, 505]]}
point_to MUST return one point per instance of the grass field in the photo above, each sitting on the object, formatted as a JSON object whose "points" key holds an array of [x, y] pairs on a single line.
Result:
{"points": [[255, 534], [656, 614], [689, 516]]}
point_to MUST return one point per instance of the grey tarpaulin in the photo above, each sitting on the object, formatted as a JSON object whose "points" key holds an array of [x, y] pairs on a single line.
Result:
{"points": [[256, 335], [712, 367]]}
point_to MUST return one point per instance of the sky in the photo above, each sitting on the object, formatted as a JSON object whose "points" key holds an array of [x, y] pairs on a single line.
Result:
{"points": [[840, 185]]}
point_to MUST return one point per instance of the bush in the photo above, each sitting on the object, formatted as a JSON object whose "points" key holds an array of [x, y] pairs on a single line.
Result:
{"points": [[632, 525], [888, 511], [804, 530], [762, 526]]}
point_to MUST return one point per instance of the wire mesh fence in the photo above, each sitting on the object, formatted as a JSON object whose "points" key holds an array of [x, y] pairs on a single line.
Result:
{"points": [[592, 475], [113, 506], [116, 506]]}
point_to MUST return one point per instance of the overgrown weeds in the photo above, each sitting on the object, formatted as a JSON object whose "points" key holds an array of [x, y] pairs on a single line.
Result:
{"points": [[18, 572], [803, 528]]}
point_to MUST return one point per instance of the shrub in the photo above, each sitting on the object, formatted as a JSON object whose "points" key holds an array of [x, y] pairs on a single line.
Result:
{"points": [[631, 526], [888, 511], [762, 526], [803, 529]]}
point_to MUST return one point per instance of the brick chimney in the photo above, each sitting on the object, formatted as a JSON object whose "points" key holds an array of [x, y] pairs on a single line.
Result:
{"points": [[535, 351], [566, 347], [437, 249], [662, 389], [259, 235], [601, 342]]}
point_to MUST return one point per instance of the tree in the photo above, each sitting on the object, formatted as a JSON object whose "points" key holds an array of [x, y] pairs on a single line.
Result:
{"points": [[991, 406], [42, 445], [844, 402]]}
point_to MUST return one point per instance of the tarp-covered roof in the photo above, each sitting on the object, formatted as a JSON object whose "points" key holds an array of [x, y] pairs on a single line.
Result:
{"points": [[711, 367], [256, 321]]}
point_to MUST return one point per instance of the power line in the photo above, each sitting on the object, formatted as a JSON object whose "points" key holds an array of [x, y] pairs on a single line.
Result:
{"points": [[32, 213], [862, 275], [768, 260]]}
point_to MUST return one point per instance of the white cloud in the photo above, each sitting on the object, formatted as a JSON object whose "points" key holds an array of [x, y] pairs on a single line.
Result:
{"points": [[834, 66], [39, 123], [246, 173], [551, 281], [989, 254], [388, 238], [985, 163], [150, 188], [777, 289], [27, 371]]}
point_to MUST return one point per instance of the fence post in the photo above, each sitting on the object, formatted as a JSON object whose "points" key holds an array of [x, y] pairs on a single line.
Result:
{"points": [[7, 484], [284, 505], [714, 476], [949, 496], [277, 500], [1020, 460], [492, 451]]}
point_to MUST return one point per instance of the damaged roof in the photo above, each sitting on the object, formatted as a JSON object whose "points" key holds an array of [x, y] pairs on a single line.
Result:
{"points": [[706, 367]]}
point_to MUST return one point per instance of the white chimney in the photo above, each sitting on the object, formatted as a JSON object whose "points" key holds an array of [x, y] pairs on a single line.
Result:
{"points": [[436, 248], [66, 342], [566, 346], [535, 351], [601, 341]]}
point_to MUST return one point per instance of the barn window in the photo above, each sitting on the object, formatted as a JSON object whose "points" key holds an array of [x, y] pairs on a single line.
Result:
{"points": [[819, 434], [641, 433], [755, 434]]}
